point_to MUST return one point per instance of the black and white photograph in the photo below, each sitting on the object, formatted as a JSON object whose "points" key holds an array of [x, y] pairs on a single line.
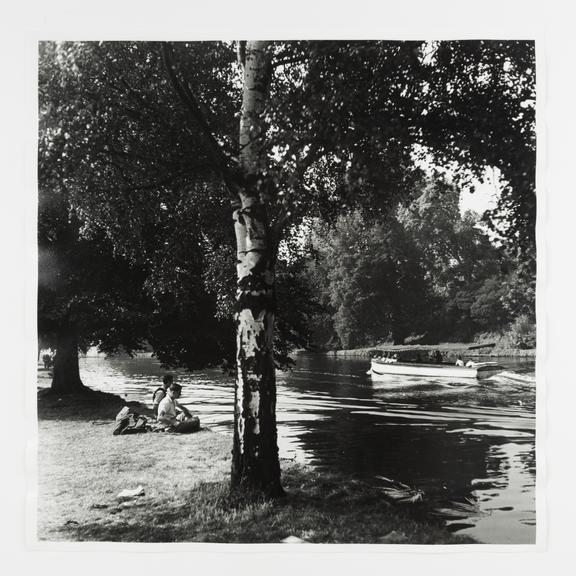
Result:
{"points": [[290, 290], [286, 291]]}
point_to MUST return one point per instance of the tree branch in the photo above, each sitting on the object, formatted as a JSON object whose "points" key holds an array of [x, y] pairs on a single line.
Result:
{"points": [[221, 159], [241, 52], [315, 152]]}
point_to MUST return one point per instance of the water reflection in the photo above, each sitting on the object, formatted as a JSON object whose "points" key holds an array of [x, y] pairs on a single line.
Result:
{"points": [[506, 503], [469, 446]]}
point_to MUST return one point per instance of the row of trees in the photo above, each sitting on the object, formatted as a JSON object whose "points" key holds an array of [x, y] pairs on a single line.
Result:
{"points": [[425, 270], [174, 179]]}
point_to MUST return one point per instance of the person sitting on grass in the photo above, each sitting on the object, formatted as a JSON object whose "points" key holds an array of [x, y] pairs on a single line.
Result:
{"points": [[173, 415], [160, 393]]}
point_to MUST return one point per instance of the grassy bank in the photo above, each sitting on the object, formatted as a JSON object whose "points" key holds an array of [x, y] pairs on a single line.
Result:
{"points": [[450, 350], [82, 468]]}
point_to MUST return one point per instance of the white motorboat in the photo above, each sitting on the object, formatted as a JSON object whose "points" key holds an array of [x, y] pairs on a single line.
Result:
{"points": [[381, 368]]}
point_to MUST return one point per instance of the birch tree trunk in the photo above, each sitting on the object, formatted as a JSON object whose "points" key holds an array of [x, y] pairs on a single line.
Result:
{"points": [[255, 463]]}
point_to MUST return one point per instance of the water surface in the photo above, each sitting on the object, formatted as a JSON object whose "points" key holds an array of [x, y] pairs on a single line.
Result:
{"points": [[468, 445]]}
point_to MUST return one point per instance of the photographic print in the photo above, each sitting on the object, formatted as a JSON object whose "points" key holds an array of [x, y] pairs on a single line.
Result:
{"points": [[286, 292]]}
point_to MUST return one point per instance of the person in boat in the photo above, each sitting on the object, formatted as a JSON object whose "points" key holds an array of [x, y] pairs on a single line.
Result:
{"points": [[459, 361], [394, 359], [173, 415], [160, 393]]}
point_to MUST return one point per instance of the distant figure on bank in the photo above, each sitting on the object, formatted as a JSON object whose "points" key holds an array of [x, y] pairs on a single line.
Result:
{"points": [[160, 393], [459, 361], [438, 357], [47, 359], [177, 418]]}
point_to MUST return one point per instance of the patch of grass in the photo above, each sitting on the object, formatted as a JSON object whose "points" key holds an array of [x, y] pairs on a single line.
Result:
{"points": [[83, 467], [347, 513]]}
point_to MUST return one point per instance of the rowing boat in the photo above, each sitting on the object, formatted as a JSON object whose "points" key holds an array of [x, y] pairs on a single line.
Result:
{"points": [[379, 368]]}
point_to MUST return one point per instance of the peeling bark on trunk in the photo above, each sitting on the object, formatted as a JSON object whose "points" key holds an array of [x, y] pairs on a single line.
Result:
{"points": [[66, 379], [255, 462]]}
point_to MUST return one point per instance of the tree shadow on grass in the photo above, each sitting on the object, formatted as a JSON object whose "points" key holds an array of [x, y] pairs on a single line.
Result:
{"points": [[316, 510], [84, 406]]}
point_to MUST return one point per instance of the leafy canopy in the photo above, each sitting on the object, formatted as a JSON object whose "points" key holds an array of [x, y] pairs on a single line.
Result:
{"points": [[142, 138]]}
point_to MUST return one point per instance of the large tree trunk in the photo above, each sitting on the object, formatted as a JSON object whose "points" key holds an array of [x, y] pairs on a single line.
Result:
{"points": [[255, 462], [66, 378]]}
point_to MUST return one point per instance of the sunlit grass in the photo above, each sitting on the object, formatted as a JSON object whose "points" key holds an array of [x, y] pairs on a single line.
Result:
{"points": [[83, 468]]}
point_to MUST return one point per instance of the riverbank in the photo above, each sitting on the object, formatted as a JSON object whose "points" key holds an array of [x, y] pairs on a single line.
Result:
{"points": [[183, 481], [449, 350]]}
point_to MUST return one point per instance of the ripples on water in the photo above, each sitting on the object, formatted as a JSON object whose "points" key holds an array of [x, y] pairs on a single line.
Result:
{"points": [[468, 445]]}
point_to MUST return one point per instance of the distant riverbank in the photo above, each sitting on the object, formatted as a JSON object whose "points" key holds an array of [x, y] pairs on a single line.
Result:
{"points": [[449, 350]]}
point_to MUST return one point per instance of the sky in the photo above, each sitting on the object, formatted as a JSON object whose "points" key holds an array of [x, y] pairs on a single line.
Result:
{"points": [[484, 197]]}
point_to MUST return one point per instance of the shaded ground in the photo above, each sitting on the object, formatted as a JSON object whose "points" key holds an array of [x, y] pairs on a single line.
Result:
{"points": [[82, 468]]}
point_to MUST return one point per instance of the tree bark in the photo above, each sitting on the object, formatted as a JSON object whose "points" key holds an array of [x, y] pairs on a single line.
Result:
{"points": [[255, 462], [66, 379]]}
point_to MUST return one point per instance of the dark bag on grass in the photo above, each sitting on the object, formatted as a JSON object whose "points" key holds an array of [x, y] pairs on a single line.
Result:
{"points": [[188, 426], [136, 425], [129, 423]]}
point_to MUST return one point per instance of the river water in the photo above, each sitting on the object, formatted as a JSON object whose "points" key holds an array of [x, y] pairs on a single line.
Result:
{"points": [[468, 446]]}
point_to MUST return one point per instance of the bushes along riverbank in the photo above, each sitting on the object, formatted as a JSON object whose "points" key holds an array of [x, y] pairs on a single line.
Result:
{"points": [[449, 350]]}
